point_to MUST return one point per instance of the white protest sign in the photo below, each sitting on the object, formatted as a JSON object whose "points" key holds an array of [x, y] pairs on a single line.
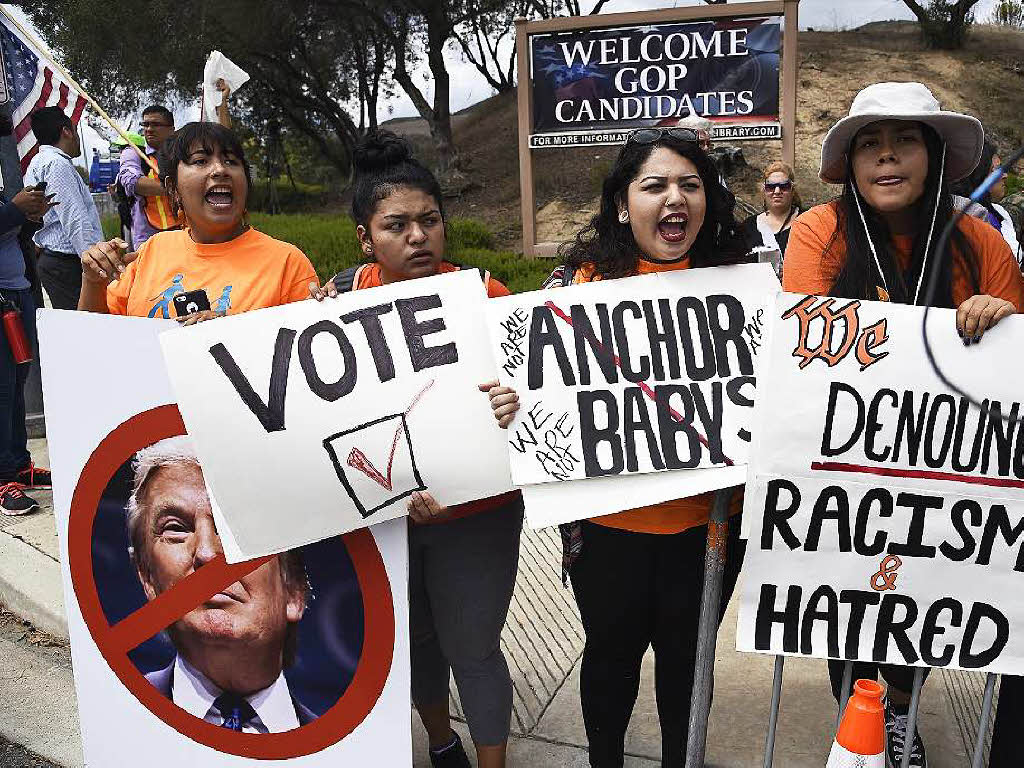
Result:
{"points": [[884, 512], [623, 378], [318, 418], [147, 670]]}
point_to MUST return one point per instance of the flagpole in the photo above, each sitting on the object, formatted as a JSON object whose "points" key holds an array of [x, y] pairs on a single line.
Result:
{"points": [[71, 81]]}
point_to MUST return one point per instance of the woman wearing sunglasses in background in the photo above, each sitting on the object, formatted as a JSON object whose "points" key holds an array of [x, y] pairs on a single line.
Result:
{"points": [[638, 575], [770, 229]]}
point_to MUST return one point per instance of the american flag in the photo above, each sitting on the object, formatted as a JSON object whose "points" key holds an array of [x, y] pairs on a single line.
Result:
{"points": [[33, 84]]}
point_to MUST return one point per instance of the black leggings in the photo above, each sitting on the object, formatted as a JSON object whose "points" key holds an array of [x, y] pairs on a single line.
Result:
{"points": [[896, 675], [635, 590], [1007, 744]]}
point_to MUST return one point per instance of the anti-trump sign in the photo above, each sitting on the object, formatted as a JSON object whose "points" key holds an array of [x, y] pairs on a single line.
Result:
{"points": [[592, 86], [315, 419], [636, 376], [884, 512]]}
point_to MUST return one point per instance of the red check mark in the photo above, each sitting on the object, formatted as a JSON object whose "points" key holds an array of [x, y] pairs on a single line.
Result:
{"points": [[358, 460]]}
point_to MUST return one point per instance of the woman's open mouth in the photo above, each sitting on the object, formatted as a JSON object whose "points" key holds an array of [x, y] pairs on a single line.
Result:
{"points": [[889, 181], [219, 197], [672, 228]]}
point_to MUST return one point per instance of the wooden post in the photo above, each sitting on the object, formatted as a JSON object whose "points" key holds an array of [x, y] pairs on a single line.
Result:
{"points": [[524, 108], [790, 68]]}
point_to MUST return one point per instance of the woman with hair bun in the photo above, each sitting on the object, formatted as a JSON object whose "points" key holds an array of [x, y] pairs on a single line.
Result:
{"points": [[638, 575], [463, 560]]}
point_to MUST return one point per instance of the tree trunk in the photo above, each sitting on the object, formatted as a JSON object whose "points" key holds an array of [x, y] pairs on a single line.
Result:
{"points": [[440, 121]]}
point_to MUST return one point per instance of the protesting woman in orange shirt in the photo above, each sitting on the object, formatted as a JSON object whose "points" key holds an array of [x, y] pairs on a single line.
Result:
{"points": [[463, 560], [896, 155], [638, 575], [224, 264]]}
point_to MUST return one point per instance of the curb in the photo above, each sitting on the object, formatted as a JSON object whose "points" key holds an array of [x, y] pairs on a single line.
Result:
{"points": [[31, 586]]}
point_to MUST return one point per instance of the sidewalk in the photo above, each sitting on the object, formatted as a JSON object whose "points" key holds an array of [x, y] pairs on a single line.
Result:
{"points": [[543, 641]]}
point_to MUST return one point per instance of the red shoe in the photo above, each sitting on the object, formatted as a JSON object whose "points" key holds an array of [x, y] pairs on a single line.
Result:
{"points": [[14, 502], [34, 477]]}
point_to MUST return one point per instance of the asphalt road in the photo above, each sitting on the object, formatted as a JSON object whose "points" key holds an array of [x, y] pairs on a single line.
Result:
{"points": [[13, 756]]}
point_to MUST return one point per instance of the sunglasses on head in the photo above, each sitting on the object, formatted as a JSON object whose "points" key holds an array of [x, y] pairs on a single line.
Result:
{"points": [[653, 135], [780, 186]]}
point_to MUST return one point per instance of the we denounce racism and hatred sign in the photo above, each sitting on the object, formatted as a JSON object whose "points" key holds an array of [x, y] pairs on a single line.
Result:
{"points": [[884, 512], [592, 86], [628, 377]]}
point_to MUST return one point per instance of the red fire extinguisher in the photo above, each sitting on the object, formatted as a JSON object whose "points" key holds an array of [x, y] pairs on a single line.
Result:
{"points": [[14, 330]]}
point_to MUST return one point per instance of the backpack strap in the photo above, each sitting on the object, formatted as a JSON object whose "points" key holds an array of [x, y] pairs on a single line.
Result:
{"points": [[347, 279]]}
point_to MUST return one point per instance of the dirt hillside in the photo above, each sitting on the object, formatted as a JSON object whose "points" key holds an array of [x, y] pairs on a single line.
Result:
{"points": [[986, 80]]}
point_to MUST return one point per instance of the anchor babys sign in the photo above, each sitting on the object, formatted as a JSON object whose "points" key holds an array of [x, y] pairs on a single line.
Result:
{"points": [[639, 388], [884, 512]]}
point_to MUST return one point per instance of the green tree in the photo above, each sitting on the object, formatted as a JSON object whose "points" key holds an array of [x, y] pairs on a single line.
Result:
{"points": [[944, 23]]}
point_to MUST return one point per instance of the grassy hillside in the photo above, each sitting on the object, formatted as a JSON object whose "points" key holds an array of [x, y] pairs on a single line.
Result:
{"points": [[986, 79]]}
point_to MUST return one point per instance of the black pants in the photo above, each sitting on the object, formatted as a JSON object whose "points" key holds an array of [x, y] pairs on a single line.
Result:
{"points": [[1007, 744], [636, 590], [14, 454], [61, 276], [898, 676]]}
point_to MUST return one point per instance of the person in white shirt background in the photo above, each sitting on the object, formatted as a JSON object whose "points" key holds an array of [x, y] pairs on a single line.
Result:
{"points": [[231, 651], [72, 226]]}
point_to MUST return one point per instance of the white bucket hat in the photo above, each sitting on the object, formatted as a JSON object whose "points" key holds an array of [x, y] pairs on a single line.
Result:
{"points": [[963, 134]]}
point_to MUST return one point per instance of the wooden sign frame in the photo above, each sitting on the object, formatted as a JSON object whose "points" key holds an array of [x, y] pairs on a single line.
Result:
{"points": [[524, 29]]}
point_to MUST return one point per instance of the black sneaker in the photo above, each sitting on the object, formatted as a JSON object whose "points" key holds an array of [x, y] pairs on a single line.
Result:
{"points": [[13, 501], [452, 756], [34, 477], [896, 739]]}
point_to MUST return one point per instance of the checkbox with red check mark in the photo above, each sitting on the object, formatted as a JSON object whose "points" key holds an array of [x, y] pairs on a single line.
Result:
{"points": [[375, 463]]}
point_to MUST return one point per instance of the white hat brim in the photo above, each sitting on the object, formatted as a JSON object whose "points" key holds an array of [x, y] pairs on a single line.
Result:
{"points": [[963, 134]]}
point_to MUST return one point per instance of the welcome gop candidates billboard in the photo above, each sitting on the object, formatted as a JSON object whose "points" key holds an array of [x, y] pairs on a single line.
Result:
{"points": [[593, 86]]}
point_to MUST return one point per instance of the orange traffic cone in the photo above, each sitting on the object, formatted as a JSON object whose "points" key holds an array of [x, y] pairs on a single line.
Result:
{"points": [[860, 742]]}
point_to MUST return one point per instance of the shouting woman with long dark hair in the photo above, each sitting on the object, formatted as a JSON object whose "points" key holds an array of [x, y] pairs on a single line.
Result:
{"points": [[638, 575]]}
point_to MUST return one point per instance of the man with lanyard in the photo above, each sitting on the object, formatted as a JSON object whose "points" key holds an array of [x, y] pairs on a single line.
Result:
{"points": [[73, 226], [151, 209]]}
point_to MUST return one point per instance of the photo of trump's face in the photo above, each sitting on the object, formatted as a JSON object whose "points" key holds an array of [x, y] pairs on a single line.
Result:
{"points": [[173, 536], [268, 653]]}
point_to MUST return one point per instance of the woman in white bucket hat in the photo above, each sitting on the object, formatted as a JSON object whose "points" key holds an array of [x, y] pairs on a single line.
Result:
{"points": [[896, 155]]}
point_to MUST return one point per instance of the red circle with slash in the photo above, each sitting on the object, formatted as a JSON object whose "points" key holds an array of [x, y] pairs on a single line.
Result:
{"points": [[114, 642]]}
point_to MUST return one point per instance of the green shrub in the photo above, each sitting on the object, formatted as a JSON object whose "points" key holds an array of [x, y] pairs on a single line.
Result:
{"points": [[111, 226], [302, 197], [1014, 183], [469, 233]]}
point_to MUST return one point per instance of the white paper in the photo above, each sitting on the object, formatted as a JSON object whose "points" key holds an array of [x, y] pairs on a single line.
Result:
{"points": [[872, 484], [618, 379], [342, 464], [550, 504], [91, 386], [218, 66]]}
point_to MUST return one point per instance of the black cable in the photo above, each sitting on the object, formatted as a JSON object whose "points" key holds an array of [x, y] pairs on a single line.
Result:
{"points": [[933, 281]]}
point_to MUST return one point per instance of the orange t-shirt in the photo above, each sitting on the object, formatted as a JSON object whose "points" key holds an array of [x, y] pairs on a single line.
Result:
{"points": [[368, 276], [253, 271], [812, 264], [669, 516]]}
